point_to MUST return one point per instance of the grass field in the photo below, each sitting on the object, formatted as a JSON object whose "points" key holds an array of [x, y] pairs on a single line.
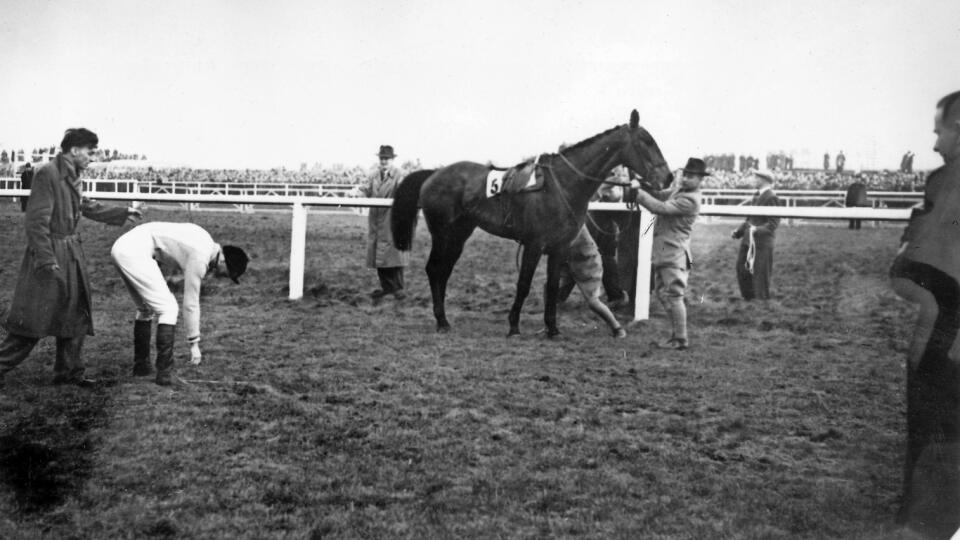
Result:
{"points": [[334, 418]]}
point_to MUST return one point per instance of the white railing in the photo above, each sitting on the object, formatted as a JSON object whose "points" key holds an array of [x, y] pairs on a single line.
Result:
{"points": [[878, 199]]}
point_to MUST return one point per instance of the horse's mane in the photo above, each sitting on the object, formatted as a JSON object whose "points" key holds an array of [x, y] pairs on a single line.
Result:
{"points": [[574, 146], [588, 140]]}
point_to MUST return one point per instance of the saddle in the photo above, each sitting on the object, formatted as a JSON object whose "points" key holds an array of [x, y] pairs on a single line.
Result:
{"points": [[522, 178]]}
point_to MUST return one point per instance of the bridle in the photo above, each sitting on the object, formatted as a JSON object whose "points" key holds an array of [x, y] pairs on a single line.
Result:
{"points": [[586, 176]]}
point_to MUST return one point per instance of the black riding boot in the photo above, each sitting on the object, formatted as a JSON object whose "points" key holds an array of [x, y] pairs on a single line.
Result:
{"points": [[165, 354], [141, 349]]}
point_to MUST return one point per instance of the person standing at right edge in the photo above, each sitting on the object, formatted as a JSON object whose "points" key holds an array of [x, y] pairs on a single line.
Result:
{"points": [[757, 235], [926, 271]]}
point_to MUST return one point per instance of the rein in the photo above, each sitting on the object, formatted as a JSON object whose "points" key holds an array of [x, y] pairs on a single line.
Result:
{"points": [[582, 174]]}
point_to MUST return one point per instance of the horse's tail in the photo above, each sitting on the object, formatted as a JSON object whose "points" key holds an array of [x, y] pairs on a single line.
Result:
{"points": [[403, 216]]}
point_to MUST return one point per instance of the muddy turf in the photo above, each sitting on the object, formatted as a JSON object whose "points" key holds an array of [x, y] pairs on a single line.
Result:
{"points": [[332, 417]]}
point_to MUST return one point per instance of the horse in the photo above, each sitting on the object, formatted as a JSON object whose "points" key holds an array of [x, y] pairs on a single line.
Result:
{"points": [[455, 202]]}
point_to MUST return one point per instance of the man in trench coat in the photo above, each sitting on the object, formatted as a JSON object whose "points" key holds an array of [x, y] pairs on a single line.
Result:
{"points": [[52, 297], [388, 260]]}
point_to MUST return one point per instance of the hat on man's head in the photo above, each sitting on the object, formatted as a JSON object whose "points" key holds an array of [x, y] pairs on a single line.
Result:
{"points": [[763, 176], [696, 166], [236, 260], [386, 151]]}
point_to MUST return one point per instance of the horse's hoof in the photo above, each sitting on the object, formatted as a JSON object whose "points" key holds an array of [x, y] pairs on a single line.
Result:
{"points": [[553, 333], [443, 329], [513, 333]]}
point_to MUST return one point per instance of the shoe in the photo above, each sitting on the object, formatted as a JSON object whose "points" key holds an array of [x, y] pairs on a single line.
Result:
{"points": [[619, 333], [672, 344], [378, 294], [165, 378], [400, 295]]}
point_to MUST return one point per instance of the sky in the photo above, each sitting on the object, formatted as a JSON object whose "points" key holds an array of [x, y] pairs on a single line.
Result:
{"points": [[244, 84]]}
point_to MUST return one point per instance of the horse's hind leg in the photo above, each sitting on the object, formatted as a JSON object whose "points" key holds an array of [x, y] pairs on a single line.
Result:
{"points": [[528, 265], [555, 260], [446, 249]]}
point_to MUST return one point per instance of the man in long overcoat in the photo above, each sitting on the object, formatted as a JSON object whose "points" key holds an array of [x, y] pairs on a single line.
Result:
{"points": [[381, 254], [757, 235], [52, 297], [926, 271]]}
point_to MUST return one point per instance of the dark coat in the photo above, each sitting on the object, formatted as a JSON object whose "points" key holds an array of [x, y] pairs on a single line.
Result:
{"points": [[47, 306], [857, 195]]}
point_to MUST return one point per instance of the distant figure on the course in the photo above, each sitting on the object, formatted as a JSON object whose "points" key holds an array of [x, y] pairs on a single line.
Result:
{"points": [[381, 254], [586, 269], [856, 197], [52, 297], [757, 235], [26, 180], [841, 161], [184, 246], [926, 271], [677, 209], [826, 161]]}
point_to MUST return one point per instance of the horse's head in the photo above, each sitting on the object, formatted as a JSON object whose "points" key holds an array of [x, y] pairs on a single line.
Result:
{"points": [[643, 156]]}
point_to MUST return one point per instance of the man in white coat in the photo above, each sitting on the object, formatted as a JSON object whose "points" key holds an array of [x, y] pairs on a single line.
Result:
{"points": [[185, 246]]}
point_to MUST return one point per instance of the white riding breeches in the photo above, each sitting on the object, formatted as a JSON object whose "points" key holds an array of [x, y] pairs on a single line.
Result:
{"points": [[145, 281]]}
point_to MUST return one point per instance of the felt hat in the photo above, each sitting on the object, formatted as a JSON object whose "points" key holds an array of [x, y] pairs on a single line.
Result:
{"points": [[696, 166], [763, 176], [386, 151]]}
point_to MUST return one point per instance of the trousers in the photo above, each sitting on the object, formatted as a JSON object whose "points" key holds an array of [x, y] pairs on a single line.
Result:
{"points": [[68, 366]]}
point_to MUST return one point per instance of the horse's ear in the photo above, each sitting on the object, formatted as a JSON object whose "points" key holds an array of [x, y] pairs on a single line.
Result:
{"points": [[634, 119]]}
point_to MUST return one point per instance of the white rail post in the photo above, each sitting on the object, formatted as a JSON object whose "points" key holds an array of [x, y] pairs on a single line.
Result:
{"points": [[298, 240], [136, 189], [641, 303]]}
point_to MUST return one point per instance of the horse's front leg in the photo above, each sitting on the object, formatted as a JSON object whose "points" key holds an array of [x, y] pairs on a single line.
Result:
{"points": [[528, 265], [556, 258]]}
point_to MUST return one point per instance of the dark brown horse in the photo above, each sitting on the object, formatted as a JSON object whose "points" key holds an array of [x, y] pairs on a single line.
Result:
{"points": [[455, 202]]}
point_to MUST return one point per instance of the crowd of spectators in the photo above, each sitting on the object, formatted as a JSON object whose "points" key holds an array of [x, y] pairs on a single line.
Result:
{"points": [[820, 180], [337, 174]]}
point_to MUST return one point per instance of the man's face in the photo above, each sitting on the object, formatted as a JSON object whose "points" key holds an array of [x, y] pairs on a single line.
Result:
{"points": [[690, 182], [759, 182], [83, 156], [385, 162], [948, 137]]}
